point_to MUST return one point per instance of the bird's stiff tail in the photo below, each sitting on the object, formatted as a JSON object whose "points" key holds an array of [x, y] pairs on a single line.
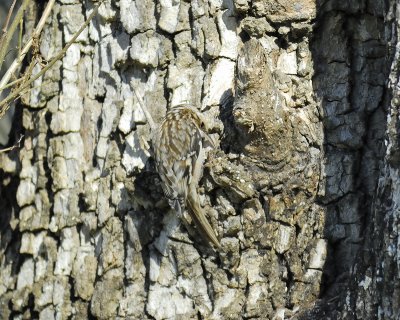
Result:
{"points": [[201, 222]]}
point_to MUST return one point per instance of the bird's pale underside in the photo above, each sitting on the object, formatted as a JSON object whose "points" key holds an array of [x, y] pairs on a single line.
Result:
{"points": [[180, 149]]}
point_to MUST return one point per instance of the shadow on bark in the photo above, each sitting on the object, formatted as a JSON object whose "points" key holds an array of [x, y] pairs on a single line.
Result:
{"points": [[352, 58]]}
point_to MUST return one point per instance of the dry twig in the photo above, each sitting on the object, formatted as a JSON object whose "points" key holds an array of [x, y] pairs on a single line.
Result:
{"points": [[25, 50], [14, 95], [17, 145], [10, 32], [5, 27]]}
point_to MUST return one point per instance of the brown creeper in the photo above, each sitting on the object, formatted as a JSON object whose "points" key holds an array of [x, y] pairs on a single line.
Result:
{"points": [[180, 149]]}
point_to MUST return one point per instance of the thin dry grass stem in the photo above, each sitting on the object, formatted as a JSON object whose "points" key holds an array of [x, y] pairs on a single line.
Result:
{"points": [[5, 26], [27, 74], [22, 93], [10, 32], [17, 145], [144, 109], [4, 104], [13, 83], [20, 35], [35, 34]]}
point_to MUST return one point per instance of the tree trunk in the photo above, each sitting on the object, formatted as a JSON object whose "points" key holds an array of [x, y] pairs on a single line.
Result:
{"points": [[302, 187]]}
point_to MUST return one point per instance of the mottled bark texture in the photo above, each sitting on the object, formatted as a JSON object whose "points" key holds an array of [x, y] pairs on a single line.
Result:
{"points": [[302, 189]]}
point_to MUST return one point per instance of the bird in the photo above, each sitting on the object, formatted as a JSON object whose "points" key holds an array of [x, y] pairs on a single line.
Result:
{"points": [[180, 146]]}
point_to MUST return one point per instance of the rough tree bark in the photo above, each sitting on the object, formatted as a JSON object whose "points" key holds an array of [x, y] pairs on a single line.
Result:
{"points": [[303, 188]]}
